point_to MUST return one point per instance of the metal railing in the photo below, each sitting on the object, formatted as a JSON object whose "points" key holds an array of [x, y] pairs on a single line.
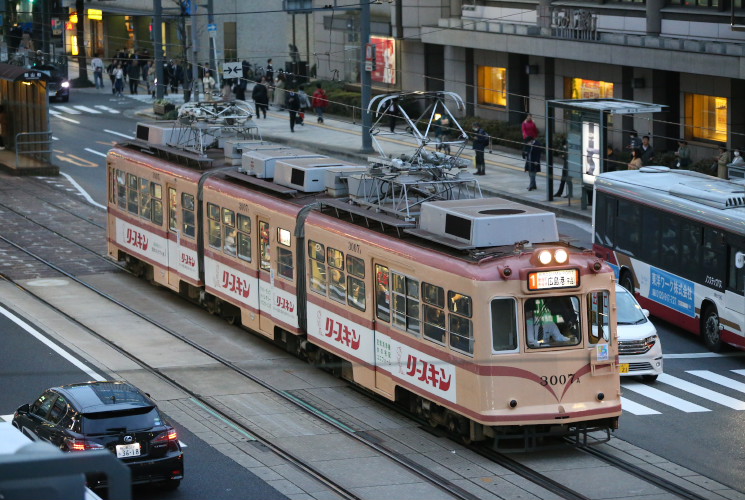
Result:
{"points": [[27, 144]]}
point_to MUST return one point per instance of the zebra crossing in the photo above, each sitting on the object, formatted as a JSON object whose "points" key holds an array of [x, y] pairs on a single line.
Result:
{"points": [[79, 109], [663, 392]]}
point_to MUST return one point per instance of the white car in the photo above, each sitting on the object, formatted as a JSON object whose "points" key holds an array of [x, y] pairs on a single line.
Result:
{"points": [[639, 346]]}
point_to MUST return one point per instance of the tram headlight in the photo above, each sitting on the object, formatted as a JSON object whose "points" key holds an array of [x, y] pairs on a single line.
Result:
{"points": [[561, 256], [544, 257]]}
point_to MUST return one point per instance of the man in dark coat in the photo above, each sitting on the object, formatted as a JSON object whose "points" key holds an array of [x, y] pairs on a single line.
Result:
{"points": [[260, 95], [480, 141], [532, 153]]}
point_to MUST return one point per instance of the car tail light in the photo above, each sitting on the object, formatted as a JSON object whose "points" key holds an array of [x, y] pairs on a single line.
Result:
{"points": [[169, 436], [83, 445]]}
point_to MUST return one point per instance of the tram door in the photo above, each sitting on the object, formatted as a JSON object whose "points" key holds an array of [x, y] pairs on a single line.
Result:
{"points": [[384, 352], [182, 254], [266, 277]]}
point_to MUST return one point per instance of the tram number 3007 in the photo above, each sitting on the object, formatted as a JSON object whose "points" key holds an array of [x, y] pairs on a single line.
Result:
{"points": [[559, 379]]}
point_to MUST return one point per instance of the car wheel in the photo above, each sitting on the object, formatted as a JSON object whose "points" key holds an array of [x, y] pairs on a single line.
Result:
{"points": [[711, 331], [649, 378], [627, 281], [65, 98]]}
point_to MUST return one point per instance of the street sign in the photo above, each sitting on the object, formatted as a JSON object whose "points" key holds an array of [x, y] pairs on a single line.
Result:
{"points": [[232, 70], [212, 28]]}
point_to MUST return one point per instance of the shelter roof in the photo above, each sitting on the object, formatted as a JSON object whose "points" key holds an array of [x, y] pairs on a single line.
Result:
{"points": [[14, 73], [613, 106]]}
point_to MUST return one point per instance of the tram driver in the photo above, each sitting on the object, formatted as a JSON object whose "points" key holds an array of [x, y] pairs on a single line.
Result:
{"points": [[541, 329]]}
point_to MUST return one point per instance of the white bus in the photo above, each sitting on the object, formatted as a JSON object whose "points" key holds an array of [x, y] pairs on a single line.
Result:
{"points": [[676, 239]]}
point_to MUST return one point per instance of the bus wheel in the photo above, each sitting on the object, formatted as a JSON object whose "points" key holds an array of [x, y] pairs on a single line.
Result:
{"points": [[711, 330], [627, 281]]}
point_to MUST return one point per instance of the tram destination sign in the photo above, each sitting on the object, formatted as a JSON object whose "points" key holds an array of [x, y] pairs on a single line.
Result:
{"points": [[561, 278]]}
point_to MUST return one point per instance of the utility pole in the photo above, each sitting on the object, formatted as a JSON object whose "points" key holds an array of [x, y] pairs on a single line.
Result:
{"points": [[195, 53], [213, 42], [365, 76], [158, 48]]}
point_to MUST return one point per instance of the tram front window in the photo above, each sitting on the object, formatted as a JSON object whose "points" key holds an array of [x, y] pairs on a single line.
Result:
{"points": [[552, 322]]}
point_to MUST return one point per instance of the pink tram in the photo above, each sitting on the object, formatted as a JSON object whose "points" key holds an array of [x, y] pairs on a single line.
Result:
{"points": [[471, 311]]}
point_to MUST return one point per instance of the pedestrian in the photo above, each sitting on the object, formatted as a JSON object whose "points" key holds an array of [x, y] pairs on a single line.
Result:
{"points": [[118, 79], [110, 70], [530, 129], [227, 89], [209, 84], [611, 165], [737, 158], [320, 101], [175, 75], [293, 106], [279, 91], [269, 74], [393, 112], [682, 155], [260, 95], [647, 151], [97, 65], [636, 160], [133, 71], [722, 159], [480, 141], [565, 180], [634, 141], [239, 89], [532, 154], [441, 125], [304, 104], [151, 78]]}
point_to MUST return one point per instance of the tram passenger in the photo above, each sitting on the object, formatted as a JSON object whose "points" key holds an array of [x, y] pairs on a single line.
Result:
{"points": [[338, 289], [542, 332], [357, 298], [230, 242]]}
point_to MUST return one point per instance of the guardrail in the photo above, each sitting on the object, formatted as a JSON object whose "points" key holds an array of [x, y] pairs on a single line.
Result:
{"points": [[36, 145]]}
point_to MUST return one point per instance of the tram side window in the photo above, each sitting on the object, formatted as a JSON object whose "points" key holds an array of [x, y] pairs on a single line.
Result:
{"points": [[230, 232], [382, 293], [264, 246], [317, 261], [503, 325], [244, 237], [433, 313], [285, 267], [145, 206], [337, 278], [156, 200], [356, 282], [459, 324], [187, 214], [214, 226], [598, 310], [629, 219], [133, 194], [552, 322], [405, 299], [121, 189], [172, 209]]}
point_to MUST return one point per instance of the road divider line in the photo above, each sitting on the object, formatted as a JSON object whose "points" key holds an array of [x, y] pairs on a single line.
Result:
{"points": [[82, 191], [95, 152], [118, 133]]}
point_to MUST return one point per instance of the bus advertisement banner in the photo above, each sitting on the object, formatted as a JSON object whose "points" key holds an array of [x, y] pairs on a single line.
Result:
{"points": [[672, 291]]}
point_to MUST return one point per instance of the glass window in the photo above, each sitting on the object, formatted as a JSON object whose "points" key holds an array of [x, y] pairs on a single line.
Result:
{"points": [[356, 293], [42, 405], [459, 303], [503, 325], [244, 223], [355, 266], [133, 194], [214, 226], [244, 237], [552, 321], [59, 410], [264, 248], [230, 237], [121, 190], [156, 195], [187, 214], [284, 263], [650, 250], [629, 218], [145, 207], [405, 299], [598, 309], [669, 242], [382, 293], [433, 294], [706, 117], [317, 260], [690, 249], [461, 334], [713, 258], [228, 217], [492, 85], [172, 209], [284, 237], [335, 258], [337, 284], [736, 279], [434, 323], [578, 88]]}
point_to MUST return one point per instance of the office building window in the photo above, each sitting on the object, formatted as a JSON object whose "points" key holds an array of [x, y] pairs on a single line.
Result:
{"points": [[706, 117], [492, 86], [699, 3], [577, 88]]}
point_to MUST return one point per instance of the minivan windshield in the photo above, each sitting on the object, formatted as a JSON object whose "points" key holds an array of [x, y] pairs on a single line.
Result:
{"points": [[629, 310]]}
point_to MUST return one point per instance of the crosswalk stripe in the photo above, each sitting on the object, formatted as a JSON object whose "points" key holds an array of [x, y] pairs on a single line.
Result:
{"points": [[107, 109], [739, 372], [87, 109], [53, 112], [702, 392], [6, 418], [720, 379], [68, 109], [663, 397], [636, 408]]}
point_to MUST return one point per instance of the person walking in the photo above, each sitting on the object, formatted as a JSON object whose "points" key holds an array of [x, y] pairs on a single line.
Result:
{"points": [[260, 95], [320, 102], [239, 89], [683, 154], [480, 141], [532, 154], [280, 97], [636, 160], [565, 181], [293, 106], [208, 82], [393, 112], [529, 128], [151, 77], [97, 66], [118, 79], [133, 71], [647, 151], [110, 69], [304, 104], [722, 159]]}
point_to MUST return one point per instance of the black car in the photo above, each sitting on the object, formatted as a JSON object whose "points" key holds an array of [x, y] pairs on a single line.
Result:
{"points": [[58, 86], [110, 415]]}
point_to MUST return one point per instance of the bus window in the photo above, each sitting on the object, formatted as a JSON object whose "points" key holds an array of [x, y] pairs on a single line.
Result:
{"points": [[669, 243], [651, 236], [503, 325], [690, 246], [382, 294], [598, 311], [552, 321], [736, 279], [629, 218]]}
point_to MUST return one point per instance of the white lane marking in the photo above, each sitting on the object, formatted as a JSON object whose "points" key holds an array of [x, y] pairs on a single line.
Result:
{"points": [[6, 418], [118, 133], [663, 397], [95, 152], [87, 109], [68, 119], [82, 191], [55, 138], [739, 372], [701, 392], [18, 321], [695, 355], [720, 379], [636, 408], [68, 109], [107, 109], [53, 112]]}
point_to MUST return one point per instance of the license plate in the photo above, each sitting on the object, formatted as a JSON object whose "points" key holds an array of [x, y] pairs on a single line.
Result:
{"points": [[624, 368], [127, 450]]}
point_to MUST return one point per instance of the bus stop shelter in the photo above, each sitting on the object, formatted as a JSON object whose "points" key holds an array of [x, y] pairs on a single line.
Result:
{"points": [[24, 118], [586, 122]]}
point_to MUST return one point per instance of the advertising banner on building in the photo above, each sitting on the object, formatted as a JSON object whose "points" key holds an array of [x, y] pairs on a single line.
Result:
{"points": [[385, 59]]}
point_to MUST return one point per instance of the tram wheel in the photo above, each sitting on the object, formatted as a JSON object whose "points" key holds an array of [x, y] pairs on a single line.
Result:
{"points": [[711, 330], [627, 281]]}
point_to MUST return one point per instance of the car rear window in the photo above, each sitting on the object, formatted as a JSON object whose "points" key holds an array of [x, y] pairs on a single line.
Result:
{"points": [[136, 419]]}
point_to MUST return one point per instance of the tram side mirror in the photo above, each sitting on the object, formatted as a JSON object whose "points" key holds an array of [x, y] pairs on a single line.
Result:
{"points": [[739, 260]]}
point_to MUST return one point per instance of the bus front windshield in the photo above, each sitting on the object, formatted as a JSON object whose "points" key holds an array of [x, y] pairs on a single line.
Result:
{"points": [[552, 322]]}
